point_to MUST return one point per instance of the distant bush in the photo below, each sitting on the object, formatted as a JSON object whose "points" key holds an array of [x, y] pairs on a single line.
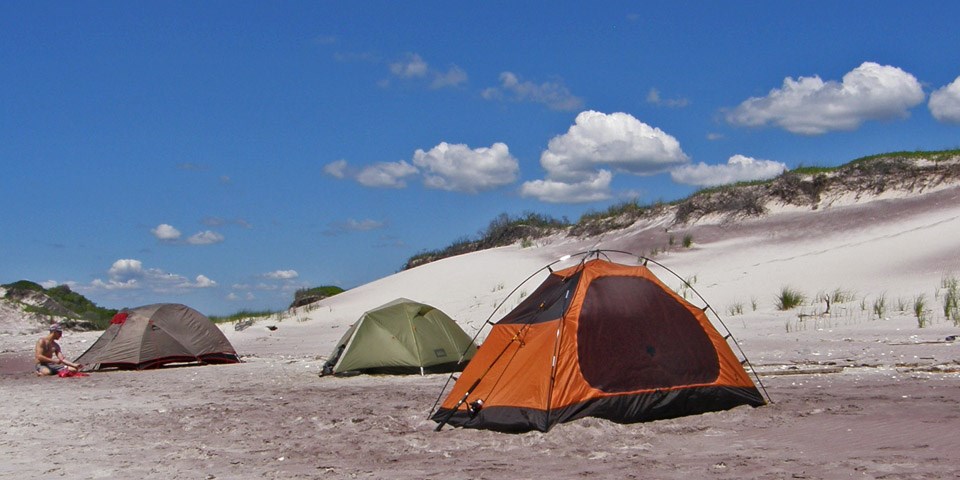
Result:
{"points": [[617, 216], [240, 315], [937, 156], [503, 230], [81, 305], [75, 310], [22, 285], [306, 296], [323, 292], [506, 230], [732, 201]]}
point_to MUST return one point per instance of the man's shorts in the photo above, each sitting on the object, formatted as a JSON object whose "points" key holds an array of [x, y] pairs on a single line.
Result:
{"points": [[54, 368]]}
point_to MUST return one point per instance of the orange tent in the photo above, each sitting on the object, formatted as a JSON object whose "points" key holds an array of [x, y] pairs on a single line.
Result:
{"points": [[597, 339]]}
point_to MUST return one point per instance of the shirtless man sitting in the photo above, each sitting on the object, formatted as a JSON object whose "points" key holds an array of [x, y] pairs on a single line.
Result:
{"points": [[49, 358]]}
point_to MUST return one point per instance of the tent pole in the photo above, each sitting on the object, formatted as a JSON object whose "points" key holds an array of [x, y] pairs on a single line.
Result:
{"points": [[457, 406], [479, 379], [556, 347]]}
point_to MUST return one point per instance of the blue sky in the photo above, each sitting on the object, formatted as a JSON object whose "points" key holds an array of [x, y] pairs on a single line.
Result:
{"points": [[224, 154]]}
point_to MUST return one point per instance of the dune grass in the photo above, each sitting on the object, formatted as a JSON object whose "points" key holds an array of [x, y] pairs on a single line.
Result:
{"points": [[919, 310], [840, 295], [951, 299], [790, 298], [880, 306], [685, 289]]}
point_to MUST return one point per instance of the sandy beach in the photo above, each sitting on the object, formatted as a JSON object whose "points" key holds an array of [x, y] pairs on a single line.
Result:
{"points": [[854, 394]]}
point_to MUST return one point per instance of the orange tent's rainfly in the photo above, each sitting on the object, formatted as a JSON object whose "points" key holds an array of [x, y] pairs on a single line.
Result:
{"points": [[597, 339], [155, 335]]}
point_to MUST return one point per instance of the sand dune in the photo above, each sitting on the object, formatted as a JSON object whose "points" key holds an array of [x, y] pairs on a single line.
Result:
{"points": [[856, 395]]}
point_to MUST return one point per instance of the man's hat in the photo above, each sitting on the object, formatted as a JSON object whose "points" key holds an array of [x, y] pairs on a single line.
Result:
{"points": [[55, 327]]}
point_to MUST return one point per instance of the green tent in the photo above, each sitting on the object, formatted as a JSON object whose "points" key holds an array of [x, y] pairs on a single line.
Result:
{"points": [[402, 336]]}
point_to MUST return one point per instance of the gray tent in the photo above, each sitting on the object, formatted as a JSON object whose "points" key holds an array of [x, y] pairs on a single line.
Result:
{"points": [[402, 336], [155, 335]]}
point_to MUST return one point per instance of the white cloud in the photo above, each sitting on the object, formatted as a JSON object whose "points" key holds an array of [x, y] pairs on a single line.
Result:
{"points": [[130, 274], [737, 169], [386, 174], [653, 96], [351, 225], [124, 274], [411, 66], [282, 275], [451, 78], [203, 281], [592, 189], [617, 141], [220, 222], [581, 162], [362, 225], [98, 284], [206, 237], [554, 95], [336, 169], [233, 297], [125, 269], [810, 106], [457, 167], [945, 103], [451, 167], [165, 233]]}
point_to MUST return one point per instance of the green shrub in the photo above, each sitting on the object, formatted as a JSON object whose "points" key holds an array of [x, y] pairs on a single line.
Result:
{"points": [[789, 298], [77, 311], [503, 230], [323, 291], [242, 314], [23, 285]]}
